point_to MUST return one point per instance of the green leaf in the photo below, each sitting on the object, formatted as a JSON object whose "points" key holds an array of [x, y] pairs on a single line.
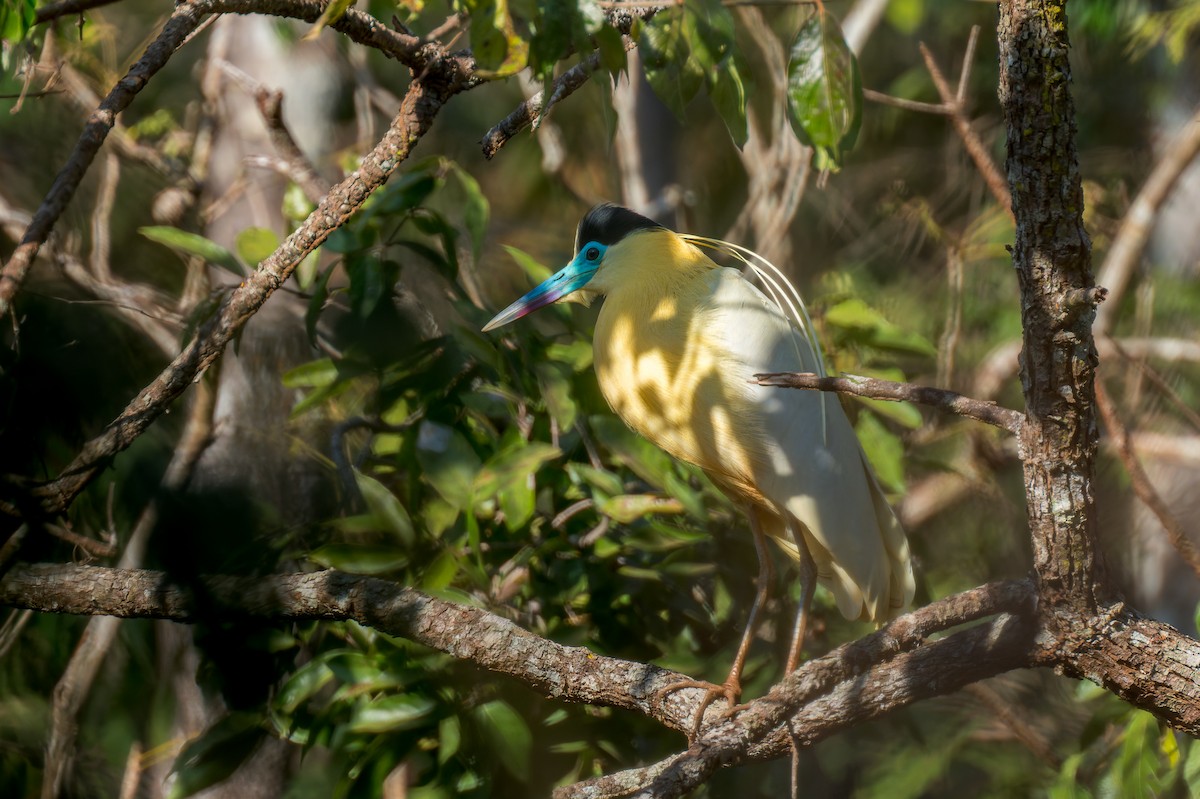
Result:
{"points": [[508, 735], [884, 450], [296, 205], [16, 19], [554, 380], [313, 374], [256, 244], [600, 479], [216, 754], [303, 685], [447, 462], [667, 58], [613, 57], [509, 469], [903, 413], [385, 507], [440, 573], [824, 90], [629, 507], [360, 558], [390, 714], [866, 325], [476, 210], [534, 269], [433, 224], [449, 738], [370, 281], [332, 13], [498, 49], [191, 244], [316, 304], [710, 36]]}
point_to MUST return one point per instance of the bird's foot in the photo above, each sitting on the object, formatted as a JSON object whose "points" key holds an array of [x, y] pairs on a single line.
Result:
{"points": [[731, 689]]}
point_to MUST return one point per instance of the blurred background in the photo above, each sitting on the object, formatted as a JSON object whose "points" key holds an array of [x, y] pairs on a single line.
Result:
{"points": [[362, 422]]}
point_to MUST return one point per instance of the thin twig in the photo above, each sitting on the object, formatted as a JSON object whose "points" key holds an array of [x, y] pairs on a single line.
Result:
{"points": [[185, 19], [892, 391], [75, 684], [996, 182], [537, 106], [94, 548], [65, 8], [449, 75], [940, 109], [1158, 380], [1126, 250], [729, 741], [1141, 483], [270, 104], [1029, 737]]}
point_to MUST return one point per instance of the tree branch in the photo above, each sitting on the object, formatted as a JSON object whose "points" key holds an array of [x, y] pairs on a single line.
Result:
{"points": [[361, 27], [1138, 222], [892, 391], [570, 674], [442, 77], [1142, 485]]}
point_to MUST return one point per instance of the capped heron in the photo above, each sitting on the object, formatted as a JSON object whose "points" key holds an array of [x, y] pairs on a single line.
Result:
{"points": [[677, 343]]}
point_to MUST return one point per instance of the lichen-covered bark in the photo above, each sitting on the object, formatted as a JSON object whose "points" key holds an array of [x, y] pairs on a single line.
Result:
{"points": [[1052, 256], [1085, 632]]}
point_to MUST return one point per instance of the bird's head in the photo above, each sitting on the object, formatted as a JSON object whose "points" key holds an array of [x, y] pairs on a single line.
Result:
{"points": [[596, 244]]}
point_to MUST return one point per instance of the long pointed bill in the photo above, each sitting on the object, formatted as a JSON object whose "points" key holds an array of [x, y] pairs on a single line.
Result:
{"points": [[571, 277]]}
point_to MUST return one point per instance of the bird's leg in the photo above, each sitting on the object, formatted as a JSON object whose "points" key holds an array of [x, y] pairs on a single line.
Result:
{"points": [[808, 586], [766, 576], [731, 689]]}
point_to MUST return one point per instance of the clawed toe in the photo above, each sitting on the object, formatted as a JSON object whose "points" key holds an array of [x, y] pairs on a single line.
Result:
{"points": [[731, 690]]}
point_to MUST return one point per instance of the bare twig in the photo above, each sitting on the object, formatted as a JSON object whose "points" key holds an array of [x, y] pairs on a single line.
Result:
{"points": [[565, 673], [75, 684], [94, 548], [1029, 737], [10, 630], [65, 8], [1142, 486], [448, 75], [538, 106], [962, 123], [1126, 250], [890, 390], [941, 109], [11, 547], [270, 104], [184, 21]]}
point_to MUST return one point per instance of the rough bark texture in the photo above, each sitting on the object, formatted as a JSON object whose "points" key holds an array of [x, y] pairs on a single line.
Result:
{"points": [[1052, 256], [1085, 632]]}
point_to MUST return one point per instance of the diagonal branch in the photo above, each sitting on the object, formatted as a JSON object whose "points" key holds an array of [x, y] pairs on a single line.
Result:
{"points": [[1143, 487], [361, 27], [892, 391], [416, 114], [565, 673], [1126, 250]]}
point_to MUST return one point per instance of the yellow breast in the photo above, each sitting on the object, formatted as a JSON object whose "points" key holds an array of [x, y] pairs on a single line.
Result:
{"points": [[659, 371]]}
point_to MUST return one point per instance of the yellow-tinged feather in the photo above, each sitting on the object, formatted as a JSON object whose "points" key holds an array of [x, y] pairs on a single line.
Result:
{"points": [[676, 343]]}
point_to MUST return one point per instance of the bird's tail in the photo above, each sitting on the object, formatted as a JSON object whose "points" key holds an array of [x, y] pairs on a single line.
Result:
{"points": [[858, 596]]}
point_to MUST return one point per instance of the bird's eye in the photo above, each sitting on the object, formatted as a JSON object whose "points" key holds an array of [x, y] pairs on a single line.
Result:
{"points": [[592, 253]]}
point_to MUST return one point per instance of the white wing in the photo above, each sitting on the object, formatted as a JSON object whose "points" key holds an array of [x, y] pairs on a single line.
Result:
{"points": [[809, 464]]}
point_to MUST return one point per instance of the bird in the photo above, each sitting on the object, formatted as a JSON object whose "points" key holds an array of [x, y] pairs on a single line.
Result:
{"points": [[677, 343]]}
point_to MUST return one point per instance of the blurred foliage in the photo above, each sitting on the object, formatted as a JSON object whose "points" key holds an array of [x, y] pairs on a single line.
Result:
{"points": [[488, 470]]}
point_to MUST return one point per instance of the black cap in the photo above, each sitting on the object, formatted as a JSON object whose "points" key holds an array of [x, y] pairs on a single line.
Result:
{"points": [[607, 223]]}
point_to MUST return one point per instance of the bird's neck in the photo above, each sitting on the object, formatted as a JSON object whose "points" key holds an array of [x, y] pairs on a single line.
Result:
{"points": [[650, 265]]}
